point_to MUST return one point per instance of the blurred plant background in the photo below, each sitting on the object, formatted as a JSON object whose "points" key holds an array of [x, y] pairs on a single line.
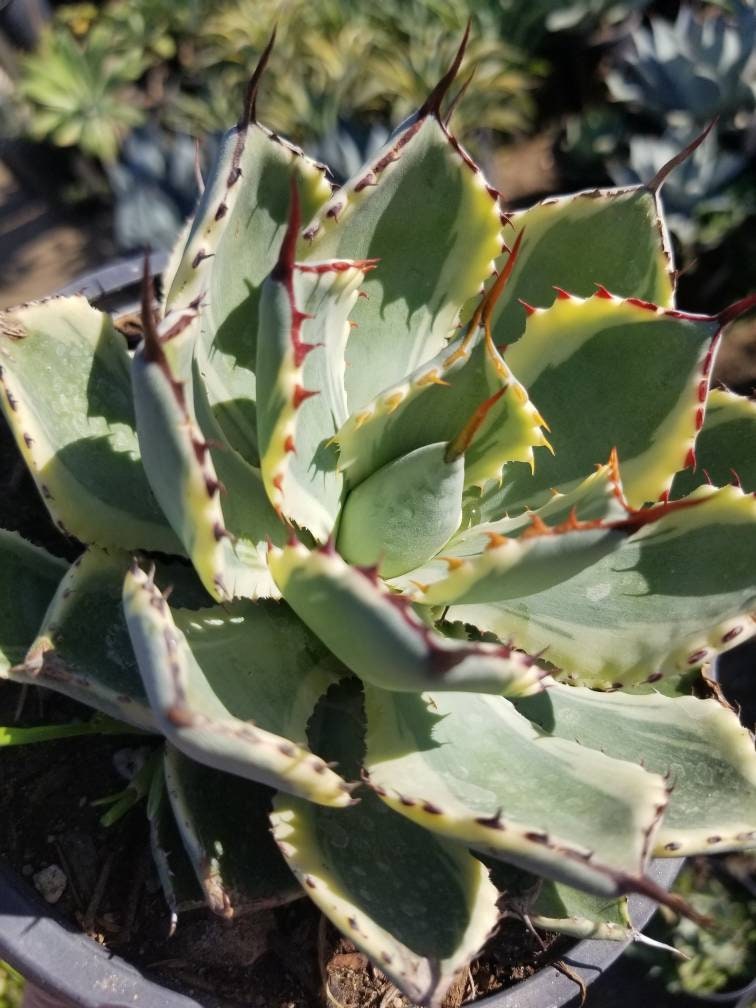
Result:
{"points": [[103, 107], [123, 89]]}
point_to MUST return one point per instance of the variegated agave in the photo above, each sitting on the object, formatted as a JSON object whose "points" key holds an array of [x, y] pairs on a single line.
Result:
{"points": [[344, 428]]}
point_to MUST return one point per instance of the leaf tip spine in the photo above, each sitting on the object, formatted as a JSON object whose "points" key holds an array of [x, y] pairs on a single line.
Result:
{"points": [[666, 170], [249, 114], [737, 309], [432, 104]]}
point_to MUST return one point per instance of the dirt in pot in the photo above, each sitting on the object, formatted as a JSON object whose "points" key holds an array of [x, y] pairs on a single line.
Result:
{"points": [[104, 879]]}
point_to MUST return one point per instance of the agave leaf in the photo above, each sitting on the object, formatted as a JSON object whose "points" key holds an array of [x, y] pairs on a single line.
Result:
{"points": [[190, 465], [435, 402], [208, 673], [404, 513], [178, 878], [29, 573], [598, 499], [378, 635], [613, 237], [699, 746], [554, 906], [172, 264], [424, 210], [606, 373], [301, 399], [462, 764], [223, 822], [569, 911], [67, 398], [231, 248], [418, 905], [615, 608], [726, 445], [82, 646]]}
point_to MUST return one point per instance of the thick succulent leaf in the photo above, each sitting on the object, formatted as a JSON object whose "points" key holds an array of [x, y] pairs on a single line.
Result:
{"points": [[424, 210], [726, 445], [233, 687], [418, 905], [178, 878], [606, 373], [568, 911], [597, 499], [554, 906], [615, 608], [67, 397], [174, 260], [190, 465], [223, 822], [231, 248], [82, 646], [404, 513], [613, 237], [379, 636], [28, 579], [699, 746], [471, 767], [435, 402], [304, 323]]}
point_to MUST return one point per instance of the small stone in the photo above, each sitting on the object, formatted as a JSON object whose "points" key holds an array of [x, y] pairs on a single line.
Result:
{"points": [[50, 883]]}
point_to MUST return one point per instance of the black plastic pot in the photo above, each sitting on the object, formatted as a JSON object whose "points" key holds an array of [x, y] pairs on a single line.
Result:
{"points": [[65, 963]]}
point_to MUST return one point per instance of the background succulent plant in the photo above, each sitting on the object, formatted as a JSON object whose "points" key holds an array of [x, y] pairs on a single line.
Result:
{"points": [[375, 514], [169, 74], [669, 80]]}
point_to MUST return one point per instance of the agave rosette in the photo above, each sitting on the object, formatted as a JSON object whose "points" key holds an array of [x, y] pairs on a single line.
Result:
{"points": [[408, 444]]}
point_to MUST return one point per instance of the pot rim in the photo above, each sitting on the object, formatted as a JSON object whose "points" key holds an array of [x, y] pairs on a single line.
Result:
{"points": [[56, 957], [59, 959]]}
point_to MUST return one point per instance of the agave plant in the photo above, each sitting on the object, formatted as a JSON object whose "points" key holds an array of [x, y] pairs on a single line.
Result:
{"points": [[669, 80], [82, 94], [695, 67], [445, 558]]}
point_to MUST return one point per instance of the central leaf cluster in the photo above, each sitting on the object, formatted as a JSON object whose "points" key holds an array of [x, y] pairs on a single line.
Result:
{"points": [[405, 513]]}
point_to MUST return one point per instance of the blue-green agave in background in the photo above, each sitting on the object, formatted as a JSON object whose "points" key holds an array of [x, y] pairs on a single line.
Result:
{"points": [[445, 479]]}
